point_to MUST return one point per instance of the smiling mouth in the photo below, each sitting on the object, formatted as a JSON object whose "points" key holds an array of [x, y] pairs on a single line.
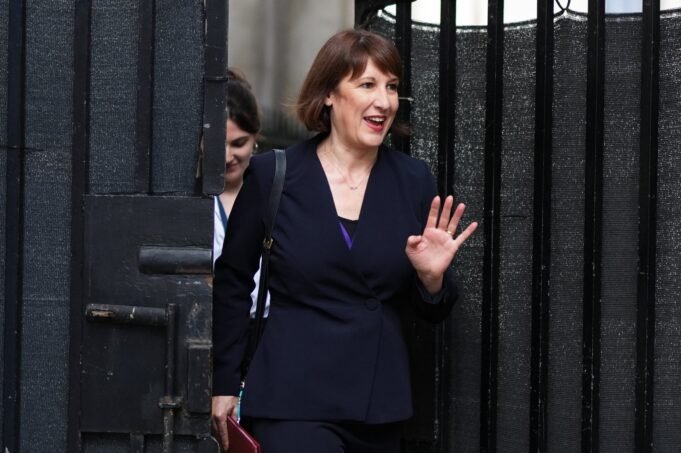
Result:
{"points": [[375, 120]]}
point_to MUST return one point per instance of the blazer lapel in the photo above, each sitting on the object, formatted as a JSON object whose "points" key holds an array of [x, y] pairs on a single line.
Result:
{"points": [[327, 215], [381, 234]]}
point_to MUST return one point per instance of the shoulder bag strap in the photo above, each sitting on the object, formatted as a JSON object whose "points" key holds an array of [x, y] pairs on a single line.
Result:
{"points": [[223, 213], [270, 215]]}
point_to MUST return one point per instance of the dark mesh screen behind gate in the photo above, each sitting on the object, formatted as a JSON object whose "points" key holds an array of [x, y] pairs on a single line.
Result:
{"points": [[567, 225], [620, 241], [177, 103], [4, 6], [47, 225], [667, 382], [113, 56], [619, 217]]}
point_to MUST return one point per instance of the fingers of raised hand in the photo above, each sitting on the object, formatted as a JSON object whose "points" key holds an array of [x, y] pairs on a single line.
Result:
{"points": [[465, 234], [453, 224], [447, 220], [453, 221], [434, 213], [446, 214]]}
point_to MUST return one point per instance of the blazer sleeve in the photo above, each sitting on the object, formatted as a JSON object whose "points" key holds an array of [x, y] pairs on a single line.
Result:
{"points": [[432, 307], [233, 280]]}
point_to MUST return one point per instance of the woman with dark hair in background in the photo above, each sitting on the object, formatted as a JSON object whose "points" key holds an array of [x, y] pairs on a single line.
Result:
{"points": [[360, 237], [241, 135], [242, 131]]}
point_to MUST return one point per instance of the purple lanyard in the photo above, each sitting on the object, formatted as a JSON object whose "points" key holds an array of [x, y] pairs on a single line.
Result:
{"points": [[348, 239]]}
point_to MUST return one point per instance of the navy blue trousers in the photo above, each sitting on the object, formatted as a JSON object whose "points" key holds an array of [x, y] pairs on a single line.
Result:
{"points": [[292, 436]]}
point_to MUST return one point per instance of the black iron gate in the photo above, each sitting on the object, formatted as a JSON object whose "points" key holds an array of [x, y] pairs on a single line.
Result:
{"points": [[107, 222], [143, 278], [145, 342], [559, 133]]}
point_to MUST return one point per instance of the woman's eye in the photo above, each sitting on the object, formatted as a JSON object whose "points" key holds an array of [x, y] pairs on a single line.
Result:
{"points": [[367, 85], [393, 87]]}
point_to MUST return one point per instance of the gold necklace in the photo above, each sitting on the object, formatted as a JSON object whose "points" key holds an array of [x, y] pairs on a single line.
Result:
{"points": [[345, 178]]}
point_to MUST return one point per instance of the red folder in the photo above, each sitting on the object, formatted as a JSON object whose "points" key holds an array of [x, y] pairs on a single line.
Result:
{"points": [[240, 441]]}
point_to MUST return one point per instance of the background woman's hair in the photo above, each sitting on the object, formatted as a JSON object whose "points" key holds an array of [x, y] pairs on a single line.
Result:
{"points": [[242, 108], [346, 52]]}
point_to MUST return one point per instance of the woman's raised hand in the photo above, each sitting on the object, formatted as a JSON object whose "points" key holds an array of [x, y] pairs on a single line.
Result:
{"points": [[432, 252]]}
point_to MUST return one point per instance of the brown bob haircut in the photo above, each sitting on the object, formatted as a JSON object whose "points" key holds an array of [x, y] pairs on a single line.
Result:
{"points": [[346, 52]]}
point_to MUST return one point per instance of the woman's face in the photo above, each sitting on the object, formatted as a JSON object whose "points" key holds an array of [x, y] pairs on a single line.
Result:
{"points": [[239, 147], [363, 109]]}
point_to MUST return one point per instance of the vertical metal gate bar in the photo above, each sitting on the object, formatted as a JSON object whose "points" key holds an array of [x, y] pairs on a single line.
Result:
{"points": [[14, 220], [79, 187], [145, 95], [445, 179], [169, 403], [214, 90], [645, 325], [490, 273], [403, 41], [541, 248], [593, 226], [447, 93]]}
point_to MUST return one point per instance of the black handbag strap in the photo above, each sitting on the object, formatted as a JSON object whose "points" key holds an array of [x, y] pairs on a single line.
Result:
{"points": [[270, 215]]}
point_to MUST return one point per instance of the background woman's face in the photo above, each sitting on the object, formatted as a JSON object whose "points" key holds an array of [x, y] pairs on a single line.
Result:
{"points": [[239, 146]]}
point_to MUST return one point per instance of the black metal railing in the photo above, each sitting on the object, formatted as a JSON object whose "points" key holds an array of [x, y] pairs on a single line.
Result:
{"points": [[491, 225], [145, 95], [445, 168], [79, 187], [214, 90], [593, 225], [588, 281], [645, 326], [541, 246], [14, 224]]}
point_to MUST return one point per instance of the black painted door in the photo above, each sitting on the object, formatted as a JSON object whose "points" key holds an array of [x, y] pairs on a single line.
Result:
{"points": [[146, 337], [148, 87]]}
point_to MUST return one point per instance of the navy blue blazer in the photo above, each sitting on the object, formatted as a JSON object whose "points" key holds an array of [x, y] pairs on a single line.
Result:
{"points": [[333, 347]]}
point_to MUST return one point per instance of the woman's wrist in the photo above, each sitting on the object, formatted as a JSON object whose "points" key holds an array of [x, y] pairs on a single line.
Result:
{"points": [[432, 283]]}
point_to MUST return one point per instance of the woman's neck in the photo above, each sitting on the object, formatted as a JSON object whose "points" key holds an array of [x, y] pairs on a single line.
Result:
{"points": [[346, 167], [348, 159], [228, 196]]}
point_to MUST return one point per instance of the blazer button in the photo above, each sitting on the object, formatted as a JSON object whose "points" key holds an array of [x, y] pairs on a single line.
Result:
{"points": [[372, 304]]}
